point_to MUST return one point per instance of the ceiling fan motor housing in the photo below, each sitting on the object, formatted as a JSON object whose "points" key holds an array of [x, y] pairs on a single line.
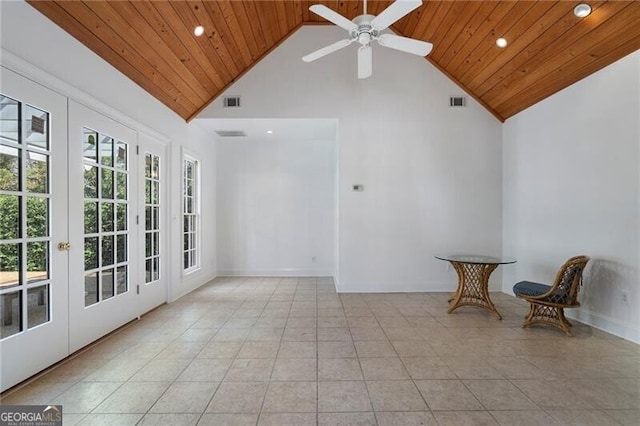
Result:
{"points": [[365, 32]]}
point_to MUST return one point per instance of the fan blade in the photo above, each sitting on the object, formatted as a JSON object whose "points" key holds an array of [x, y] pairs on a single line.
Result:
{"points": [[331, 16], [365, 62], [409, 45], [394, 12], [326, 50]]}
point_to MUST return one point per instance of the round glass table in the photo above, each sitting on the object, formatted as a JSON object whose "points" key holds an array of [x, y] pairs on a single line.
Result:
{"points": [[473, 279]]}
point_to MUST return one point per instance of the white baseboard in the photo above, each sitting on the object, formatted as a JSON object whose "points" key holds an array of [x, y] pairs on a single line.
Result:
{"points": [[623, 330], [188, 286], [275, 272]]}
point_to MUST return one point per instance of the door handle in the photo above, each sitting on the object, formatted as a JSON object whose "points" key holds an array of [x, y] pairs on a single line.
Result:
{"points": [[64, 246]]}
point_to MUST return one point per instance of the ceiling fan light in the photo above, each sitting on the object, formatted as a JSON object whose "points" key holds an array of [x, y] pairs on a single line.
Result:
{"points": [[582, 10], [501, 42], [198, 31]]}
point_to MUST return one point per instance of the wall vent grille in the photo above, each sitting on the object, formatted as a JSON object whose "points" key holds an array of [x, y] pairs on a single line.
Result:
{"points": [[231, 102], [231, 133], [457, 101]]}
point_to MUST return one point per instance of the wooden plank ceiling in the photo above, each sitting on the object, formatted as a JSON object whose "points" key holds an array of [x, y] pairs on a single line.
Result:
{"points": [[152, 42]]}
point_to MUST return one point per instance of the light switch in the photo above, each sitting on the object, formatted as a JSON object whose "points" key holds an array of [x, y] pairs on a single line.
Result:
{"points": [[358, 187]]}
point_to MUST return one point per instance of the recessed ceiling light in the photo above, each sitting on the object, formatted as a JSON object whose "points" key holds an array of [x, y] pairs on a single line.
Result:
{"points": [[198, 31], [501, 42], [269, 132], [582, 10]]}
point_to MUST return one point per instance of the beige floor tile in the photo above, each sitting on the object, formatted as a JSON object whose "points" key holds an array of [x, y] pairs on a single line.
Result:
{"points": [[133, 397], [411, 348], [297, 322], [395, 395], [368, 333], [170, 419], [373, 349], [220, 350], [118, 369], [297, 350], [209, 419], [160, 370], [238, 398], [71, 419], [331, 310], [393, 322], [625, 417], [271, 322], [604, 393], [332, 322], [205, 370], [553, 393], [523, 418], [346, 419], [185, 397], [36, 392], [181, 350], [334, 334], [231, 335], [292, 369], [268, 334], [383, 369], [72, 371], [101, 419], [287, 419], [336, 350], [301, 334], [198, 334], [447, 395], [428, 368], [472, 368], [464, 418], [259, 350], [417, 418], [83, 397], [583, 417], [291, 397], [343, 396], [250, 370], [339, 369], [403, 334], [367, 321], [499, 395]]}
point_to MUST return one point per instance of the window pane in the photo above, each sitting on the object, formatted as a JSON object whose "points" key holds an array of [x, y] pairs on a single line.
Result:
{"points": [[156, 219], [38, 305], [155, 170], [10, 219], [121, 185], [106, 150], [107, 217], [148, 272], [121, 155], [37, 172], [156, 268], [147, 165], [9, 118], [107, 284], [148, 224], [107, 250], [147, 191], [90, 217], [186, 260], [156, 244], [37, 261], [9, 168], [90, 145], [91, 289], [122, 248], [10, 313], [37, 217], [37, 127], [123, 280], [147, 244], [122, 217], [10, 255], [90, 253], [155, 189], [107, 183], [90, 182]]}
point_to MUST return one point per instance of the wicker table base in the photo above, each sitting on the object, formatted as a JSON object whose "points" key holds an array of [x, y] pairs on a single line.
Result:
{"points": [[473, 286]]}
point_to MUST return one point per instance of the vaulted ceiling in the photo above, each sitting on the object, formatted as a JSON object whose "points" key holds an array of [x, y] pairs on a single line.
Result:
{"points": [[549, 48]]}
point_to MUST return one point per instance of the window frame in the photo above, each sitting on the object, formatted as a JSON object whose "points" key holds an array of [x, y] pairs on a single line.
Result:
{"points": [[196, 214]]}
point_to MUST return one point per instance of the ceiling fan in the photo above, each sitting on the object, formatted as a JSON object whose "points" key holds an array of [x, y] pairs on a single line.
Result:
{"points": [[367, 28]]}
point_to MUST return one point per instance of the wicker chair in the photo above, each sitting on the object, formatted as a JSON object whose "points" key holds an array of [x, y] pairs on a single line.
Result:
{"points": [[548, 302]]}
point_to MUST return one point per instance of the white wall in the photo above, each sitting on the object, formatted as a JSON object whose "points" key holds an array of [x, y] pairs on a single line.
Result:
{"points": [[276, 206], [572, 186], [432, 174], [80, 74]]}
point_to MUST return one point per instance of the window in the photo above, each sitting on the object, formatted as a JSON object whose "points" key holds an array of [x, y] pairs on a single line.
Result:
{"points": [[152, 217], [190, 214]]}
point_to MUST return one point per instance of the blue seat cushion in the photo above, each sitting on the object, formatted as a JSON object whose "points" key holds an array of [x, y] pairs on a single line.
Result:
{"points": [[528, 288]]}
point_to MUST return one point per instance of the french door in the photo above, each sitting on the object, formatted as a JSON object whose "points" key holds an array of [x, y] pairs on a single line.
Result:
{"points": [[102, 207], [34, 322]]}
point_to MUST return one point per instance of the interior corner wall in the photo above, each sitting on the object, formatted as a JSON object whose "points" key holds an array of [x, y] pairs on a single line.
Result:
{"points": [[49, 55], [432, 174], [276, 207], [572, 186]]}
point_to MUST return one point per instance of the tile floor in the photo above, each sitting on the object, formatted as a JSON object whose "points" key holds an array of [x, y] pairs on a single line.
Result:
{"points": [[270, 351]]}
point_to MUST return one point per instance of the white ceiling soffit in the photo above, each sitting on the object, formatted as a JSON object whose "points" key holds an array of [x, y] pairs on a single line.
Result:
{"points": [[283, 128]]}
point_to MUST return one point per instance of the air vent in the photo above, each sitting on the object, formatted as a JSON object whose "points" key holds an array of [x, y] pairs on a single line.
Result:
{"points": [[232, 102], [458, 101], [231, 133]]}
